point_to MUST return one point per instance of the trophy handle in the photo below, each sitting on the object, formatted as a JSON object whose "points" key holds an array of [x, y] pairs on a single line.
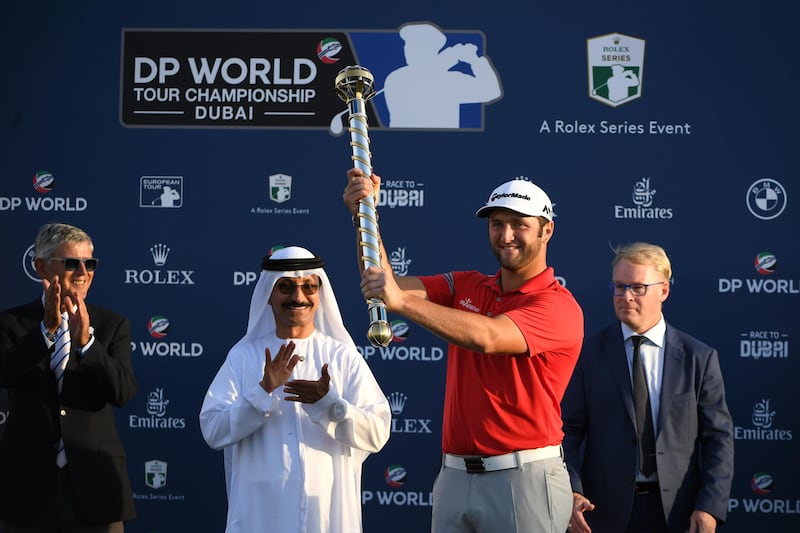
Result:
{"points": [[354, 85]]}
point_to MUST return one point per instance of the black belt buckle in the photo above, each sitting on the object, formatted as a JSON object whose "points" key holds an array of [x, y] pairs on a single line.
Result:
{"points": [[474, 465], [647, 487]]}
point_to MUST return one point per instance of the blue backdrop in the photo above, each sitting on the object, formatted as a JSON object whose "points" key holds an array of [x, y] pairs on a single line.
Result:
{"points": [[190, 137]]}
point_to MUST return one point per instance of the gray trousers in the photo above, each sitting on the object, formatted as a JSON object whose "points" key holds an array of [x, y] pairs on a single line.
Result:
{"points": [[534, 498]]}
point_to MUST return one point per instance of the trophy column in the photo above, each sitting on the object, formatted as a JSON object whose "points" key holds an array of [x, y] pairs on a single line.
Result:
{"points": [[354, 85]]}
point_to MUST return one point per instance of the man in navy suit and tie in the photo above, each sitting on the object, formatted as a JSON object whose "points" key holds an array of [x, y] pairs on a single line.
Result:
{"points": [[673, 472], [66, 364]]}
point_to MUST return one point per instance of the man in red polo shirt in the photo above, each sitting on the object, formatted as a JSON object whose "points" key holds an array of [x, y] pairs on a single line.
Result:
{"points": [[513, 341]]}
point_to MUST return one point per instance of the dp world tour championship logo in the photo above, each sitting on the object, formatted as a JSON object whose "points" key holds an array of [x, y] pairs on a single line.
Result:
{"points": [[616, 67]]}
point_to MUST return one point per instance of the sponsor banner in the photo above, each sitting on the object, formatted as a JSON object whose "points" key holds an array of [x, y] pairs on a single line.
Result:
{"points": [[766, 199], [286, 79], [616, 68], [205, 78], [161, 191]]}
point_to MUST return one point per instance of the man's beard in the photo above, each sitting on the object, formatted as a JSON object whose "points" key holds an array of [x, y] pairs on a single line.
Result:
{"points": [[525, 256]]}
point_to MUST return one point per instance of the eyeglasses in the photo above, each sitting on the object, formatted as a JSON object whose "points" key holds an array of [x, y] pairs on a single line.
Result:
{"points": [[638, 289], [74, 263], [287, 287]]}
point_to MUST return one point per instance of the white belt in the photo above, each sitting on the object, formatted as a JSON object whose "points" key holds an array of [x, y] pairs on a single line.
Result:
{"points": [[477, 464]]}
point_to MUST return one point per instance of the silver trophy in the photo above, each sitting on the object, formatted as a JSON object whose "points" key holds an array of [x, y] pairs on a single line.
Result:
{"points": [[354, 85]]}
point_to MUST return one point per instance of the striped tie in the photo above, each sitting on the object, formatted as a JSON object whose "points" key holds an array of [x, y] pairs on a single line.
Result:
{"points": [[58, 362]]}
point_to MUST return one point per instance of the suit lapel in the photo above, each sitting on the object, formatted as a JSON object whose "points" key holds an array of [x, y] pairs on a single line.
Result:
{"points": [[670, 381], [614, 350], [31, 314]]}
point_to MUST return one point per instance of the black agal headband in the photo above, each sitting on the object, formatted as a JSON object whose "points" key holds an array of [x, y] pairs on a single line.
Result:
{"points": [[288, 265]]}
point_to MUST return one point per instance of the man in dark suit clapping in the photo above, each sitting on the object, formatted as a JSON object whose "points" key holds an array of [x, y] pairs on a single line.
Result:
{"points": [[65, 364]]}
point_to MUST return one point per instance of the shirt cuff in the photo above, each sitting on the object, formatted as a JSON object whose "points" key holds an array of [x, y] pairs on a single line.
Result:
{"points": [[88, 345], [263, 401], [331, 407], [49, 338]]}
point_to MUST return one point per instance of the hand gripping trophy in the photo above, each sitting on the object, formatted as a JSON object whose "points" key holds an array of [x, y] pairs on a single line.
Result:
{"points": [[354, 85]]}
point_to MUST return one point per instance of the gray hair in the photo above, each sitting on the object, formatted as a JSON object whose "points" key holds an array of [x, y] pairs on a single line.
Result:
{"points": [[51, 236]]}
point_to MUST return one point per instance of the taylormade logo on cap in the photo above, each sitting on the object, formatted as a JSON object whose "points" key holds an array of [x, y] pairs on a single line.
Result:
{"points": [[519, 195], [497, 196]]}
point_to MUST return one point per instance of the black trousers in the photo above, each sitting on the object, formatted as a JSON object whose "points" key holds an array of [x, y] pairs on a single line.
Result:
{"points": [[59, 515], [647, 515]]}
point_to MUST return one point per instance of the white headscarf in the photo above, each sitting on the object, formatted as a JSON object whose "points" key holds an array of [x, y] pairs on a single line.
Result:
{"points": [[327, 318]]}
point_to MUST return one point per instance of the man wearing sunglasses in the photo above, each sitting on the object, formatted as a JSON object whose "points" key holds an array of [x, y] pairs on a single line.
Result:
{"points": [[66, 364], [649, 438], [295, 407]]}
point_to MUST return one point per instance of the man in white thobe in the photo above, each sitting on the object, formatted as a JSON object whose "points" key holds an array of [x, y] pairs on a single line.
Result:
{"points": [[296, 407]]}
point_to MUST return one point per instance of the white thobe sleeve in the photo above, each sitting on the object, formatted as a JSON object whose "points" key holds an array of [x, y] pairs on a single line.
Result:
{"points": [[229, 414], [358, 417]]}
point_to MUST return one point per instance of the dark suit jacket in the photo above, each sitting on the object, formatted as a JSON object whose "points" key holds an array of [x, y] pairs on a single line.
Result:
{"points": [[694, 439], [83, 415]]}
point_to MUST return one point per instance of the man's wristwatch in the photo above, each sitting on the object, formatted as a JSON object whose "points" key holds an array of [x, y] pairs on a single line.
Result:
{"points": [[46, 332]]}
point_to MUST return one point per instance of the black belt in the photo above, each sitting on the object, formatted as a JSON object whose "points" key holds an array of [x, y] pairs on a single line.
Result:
{"points": [[647, 487]]}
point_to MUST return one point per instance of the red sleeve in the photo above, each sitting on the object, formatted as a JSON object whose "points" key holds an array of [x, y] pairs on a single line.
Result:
{"points": [[550, 320]]}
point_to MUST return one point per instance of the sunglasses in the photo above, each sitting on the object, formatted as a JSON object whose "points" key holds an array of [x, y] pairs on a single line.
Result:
{"points": [[287, 287], [74, 263]]}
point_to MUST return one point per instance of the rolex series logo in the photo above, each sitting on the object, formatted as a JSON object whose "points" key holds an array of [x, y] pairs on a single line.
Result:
{"points": [[160, 253], [397, 401], [616, 67]]}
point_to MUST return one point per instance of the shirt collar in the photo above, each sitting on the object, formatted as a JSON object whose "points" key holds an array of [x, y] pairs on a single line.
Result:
{"points": [[655, 334], [539, 282]]}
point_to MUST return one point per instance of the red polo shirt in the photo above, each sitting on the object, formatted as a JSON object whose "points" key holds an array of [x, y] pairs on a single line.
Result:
{"points": [[499, 403]]}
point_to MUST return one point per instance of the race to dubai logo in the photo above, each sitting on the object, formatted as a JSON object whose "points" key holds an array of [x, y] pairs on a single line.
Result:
{"points": [[766, 199], [616, 67], [764, 344]]}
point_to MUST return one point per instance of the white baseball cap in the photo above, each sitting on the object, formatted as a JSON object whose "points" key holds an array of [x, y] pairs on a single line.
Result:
{"points": [[519, 195]]}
